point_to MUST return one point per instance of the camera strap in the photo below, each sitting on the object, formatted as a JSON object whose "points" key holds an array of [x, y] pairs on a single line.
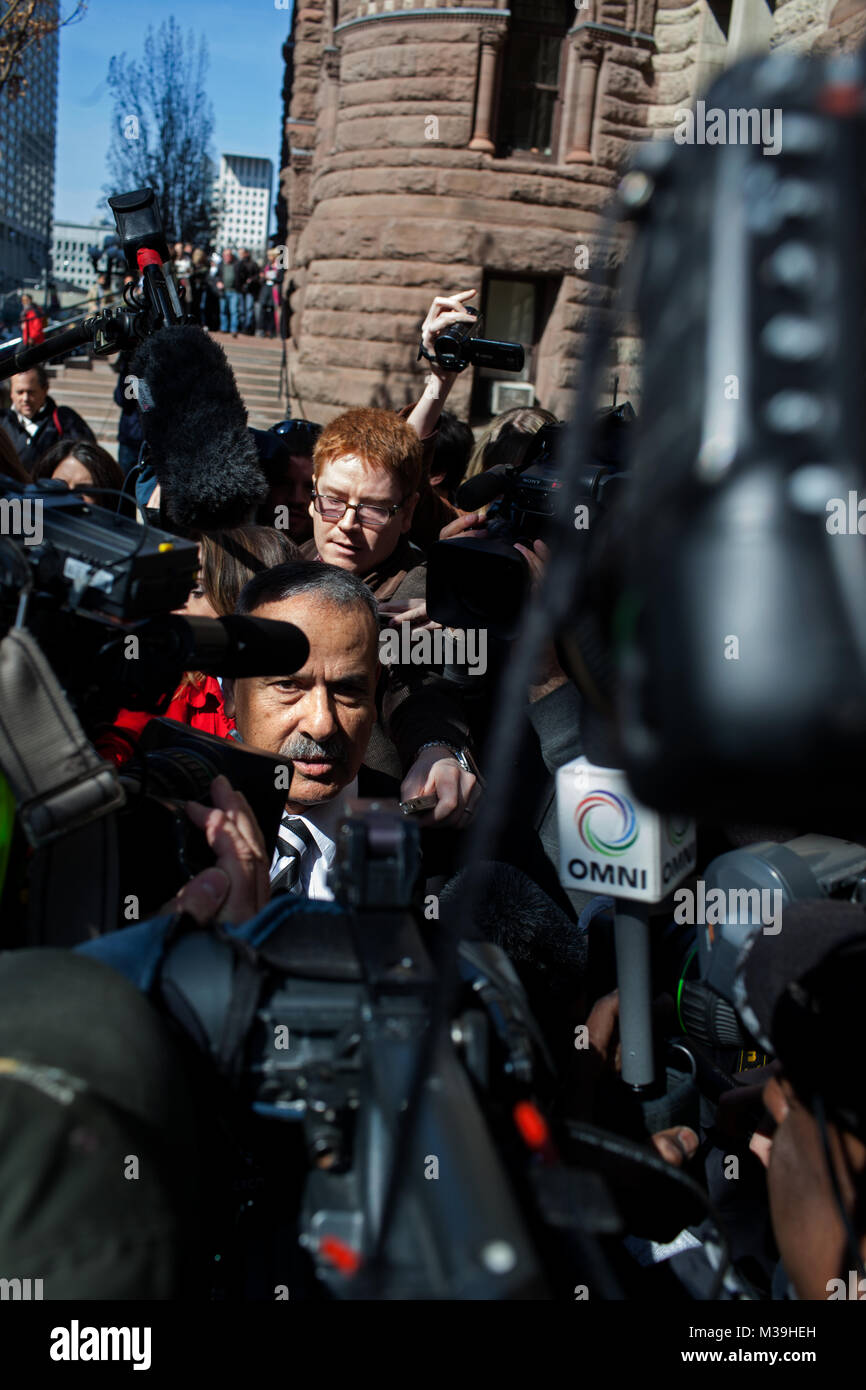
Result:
{"points": [[65, 794]]}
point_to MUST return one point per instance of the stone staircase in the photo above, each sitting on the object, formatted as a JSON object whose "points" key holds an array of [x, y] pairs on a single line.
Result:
{"points": [[87, 385]]}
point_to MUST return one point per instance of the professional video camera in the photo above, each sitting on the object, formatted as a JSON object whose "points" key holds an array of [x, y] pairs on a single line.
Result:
{"points": [[86, 600], [97, 592], [745, 891], [315, 1016], [482, 581], [157, 305], [741, 574]]}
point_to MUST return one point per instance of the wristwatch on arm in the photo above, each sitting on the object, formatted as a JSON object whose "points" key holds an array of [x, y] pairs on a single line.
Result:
{"points": [[463, 755]]}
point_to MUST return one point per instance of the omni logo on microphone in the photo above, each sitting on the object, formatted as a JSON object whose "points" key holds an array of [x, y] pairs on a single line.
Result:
{"points": [[609, 841], [606, 823]]}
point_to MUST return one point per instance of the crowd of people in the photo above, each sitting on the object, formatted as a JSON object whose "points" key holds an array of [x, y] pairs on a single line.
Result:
{"points": [[340, 549], [228, 290]]}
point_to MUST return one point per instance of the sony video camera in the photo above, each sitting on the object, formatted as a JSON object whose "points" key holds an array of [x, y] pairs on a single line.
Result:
{"points": [[482, 581]]}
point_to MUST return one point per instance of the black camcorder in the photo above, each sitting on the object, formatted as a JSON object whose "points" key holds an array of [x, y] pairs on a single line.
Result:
{"points": [[97, 590], [458, 346]]}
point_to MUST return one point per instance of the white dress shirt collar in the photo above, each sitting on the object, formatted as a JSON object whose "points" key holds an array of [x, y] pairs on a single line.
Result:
{"points": [[321, 821]]}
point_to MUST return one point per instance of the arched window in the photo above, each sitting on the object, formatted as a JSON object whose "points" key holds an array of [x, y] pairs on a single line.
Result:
{"points": [[533, 76]]}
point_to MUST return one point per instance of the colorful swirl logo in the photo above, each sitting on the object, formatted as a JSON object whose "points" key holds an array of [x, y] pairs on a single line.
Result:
{"points": [[605, 809]]}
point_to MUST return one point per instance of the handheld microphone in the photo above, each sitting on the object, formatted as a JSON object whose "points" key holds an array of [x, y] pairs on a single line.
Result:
{"points": [[606, 837]]}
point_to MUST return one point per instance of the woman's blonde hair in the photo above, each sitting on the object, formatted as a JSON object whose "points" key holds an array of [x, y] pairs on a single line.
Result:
{"points": [[506, 439]]}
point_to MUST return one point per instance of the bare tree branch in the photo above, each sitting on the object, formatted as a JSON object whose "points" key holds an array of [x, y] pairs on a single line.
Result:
{"points": [[162, 129], [23, 25]]}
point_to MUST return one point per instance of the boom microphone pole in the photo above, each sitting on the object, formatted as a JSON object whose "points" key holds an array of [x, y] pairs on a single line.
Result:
{"points": [[156, 306]]}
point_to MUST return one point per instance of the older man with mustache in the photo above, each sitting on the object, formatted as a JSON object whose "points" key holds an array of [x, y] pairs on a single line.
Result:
{"points": [[319, 718]]}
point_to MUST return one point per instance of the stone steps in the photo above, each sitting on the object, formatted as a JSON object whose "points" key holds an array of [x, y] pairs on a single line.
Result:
{"points": [[87, 385]]}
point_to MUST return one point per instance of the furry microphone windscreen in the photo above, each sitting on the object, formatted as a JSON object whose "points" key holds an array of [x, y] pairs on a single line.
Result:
{"points": [[519, 916], [195, 423]]}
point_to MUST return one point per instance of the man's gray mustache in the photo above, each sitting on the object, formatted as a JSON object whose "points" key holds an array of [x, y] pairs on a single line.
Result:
{"points": [[307, 750]]}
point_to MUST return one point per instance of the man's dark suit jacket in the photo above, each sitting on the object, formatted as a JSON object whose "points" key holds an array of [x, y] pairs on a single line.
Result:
{"points": [[30, 448]]}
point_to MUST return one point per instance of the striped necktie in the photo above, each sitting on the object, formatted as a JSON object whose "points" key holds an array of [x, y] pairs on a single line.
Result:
{"points": [[294, 838]]}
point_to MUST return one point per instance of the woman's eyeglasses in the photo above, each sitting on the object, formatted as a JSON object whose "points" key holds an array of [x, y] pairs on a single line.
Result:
{"points": [[335, 508]]}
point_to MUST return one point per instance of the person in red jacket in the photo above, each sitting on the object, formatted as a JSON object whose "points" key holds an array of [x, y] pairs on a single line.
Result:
{"points": [[31, 323]]}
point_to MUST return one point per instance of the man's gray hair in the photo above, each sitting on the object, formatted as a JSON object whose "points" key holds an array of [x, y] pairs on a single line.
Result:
{"points": [[305, 577]]}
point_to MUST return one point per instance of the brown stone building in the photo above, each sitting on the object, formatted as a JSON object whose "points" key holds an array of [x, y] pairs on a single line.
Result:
{"points": [[434, 146]]}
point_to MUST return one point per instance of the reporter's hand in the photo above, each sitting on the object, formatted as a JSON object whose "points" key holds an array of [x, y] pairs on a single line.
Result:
{"points": [[437, 772], [601, 1026], [408, 610], [676, 1146], [445, 310], [536, 559], [467, 524], [202, 897], [234, 836]]}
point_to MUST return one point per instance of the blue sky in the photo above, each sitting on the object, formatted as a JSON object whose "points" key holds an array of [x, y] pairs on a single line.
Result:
{"points": [[244, 82]]}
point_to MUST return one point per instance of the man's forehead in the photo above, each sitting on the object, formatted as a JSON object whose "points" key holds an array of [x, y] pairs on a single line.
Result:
{"points": [[351, 473], [330, 628], [25, 380]]}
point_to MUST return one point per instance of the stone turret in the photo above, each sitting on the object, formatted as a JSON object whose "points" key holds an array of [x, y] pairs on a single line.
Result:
{"points": [[437, 147]]}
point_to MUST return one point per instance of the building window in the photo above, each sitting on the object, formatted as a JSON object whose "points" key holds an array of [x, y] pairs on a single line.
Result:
{"points": [[516, 310], [533, 75]]}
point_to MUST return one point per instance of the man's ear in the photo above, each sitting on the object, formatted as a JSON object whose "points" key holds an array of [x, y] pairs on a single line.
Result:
{"points": [[409, 510], [229, 697], [436, 479]]}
